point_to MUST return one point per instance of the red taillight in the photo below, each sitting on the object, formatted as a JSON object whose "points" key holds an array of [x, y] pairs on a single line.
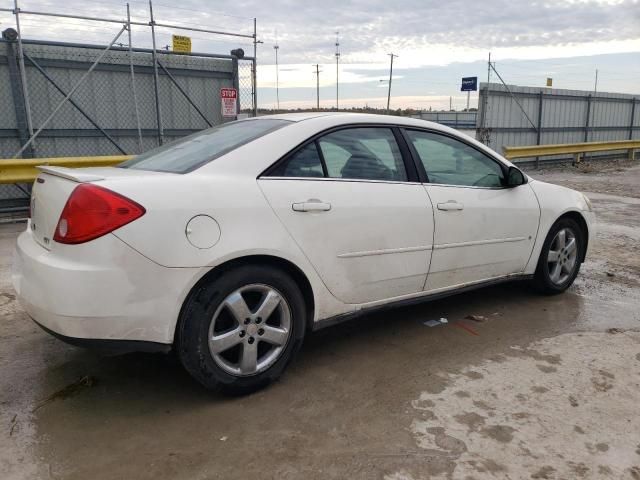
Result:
{"points": [[93, 211]]}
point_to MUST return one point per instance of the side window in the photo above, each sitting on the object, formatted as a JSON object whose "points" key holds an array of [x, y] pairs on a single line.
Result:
{"points": [[363, 153], [304, 163], [451, 162]]}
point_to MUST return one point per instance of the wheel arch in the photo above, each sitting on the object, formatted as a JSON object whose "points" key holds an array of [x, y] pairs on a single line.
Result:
{"points": [[584, 227], [258, 259]]}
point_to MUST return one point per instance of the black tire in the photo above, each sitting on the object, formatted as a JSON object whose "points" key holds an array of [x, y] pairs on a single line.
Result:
{"points": [[192, 335], [542, 278]]}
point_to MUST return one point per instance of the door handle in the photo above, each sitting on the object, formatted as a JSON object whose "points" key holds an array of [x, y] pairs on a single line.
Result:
{"points": [[311, 205], [450, 205]]}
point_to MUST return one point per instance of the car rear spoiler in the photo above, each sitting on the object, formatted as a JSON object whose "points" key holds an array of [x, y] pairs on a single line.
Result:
{"points": [[70, 174]]}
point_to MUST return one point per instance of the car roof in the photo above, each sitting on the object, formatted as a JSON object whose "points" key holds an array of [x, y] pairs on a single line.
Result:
{"points": [[298, 116], [342, 118]]}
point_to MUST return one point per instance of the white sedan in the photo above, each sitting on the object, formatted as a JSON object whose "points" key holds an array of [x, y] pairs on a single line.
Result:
{"points": [[230, 244]]}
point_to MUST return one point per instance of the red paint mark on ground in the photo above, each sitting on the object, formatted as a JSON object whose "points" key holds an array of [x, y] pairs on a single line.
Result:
{"points": [[467, 329]]}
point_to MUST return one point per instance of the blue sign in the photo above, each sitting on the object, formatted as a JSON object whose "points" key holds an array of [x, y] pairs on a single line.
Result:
{"points": [[469, 84]]}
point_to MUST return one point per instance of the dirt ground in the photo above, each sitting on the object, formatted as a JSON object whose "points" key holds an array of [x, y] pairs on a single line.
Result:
{"points": [[541, 388]]}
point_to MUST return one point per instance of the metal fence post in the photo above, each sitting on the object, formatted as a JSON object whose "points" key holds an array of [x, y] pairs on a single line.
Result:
{"points": [[23, 72], [155, 75], [587, 121], [18, 99], [133, 82], [255, 69], [483, 133], [481, 108], [236, 81], [633, 117], [539, 132]]}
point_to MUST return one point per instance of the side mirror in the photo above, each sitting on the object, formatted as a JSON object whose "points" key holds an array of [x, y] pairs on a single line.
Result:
{"points": [[515, 177]]}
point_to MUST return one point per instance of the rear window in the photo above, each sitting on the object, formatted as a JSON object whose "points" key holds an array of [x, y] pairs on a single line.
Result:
{"points": [[189, 153]]}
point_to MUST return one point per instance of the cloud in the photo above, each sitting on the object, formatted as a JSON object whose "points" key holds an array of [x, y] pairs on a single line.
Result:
{"points": [[437, 41], [374, 27], [368, 28]]}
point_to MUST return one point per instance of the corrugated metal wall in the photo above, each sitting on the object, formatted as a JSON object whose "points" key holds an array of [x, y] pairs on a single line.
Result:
{"points": [[460, 120], [566, 116]]}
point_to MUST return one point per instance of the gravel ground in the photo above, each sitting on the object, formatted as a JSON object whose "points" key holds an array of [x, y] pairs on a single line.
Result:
{"points": [[541, 387]]}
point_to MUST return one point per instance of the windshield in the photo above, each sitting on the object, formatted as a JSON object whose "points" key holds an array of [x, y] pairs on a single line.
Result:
{"points": [[188, 153]]}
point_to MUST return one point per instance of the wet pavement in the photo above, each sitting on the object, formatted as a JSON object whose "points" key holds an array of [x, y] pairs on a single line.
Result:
{"points": [[539, 387]]}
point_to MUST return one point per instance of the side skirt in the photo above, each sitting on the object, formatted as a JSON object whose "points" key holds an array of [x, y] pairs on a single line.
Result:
{"points": [[330, 321]]}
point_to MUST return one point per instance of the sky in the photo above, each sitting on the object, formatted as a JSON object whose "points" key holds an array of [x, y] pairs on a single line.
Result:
{"points": [[437, 43]]}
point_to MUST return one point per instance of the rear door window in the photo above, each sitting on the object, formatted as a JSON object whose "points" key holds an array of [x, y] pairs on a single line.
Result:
{"points": [[363, 153], [305, 163]]}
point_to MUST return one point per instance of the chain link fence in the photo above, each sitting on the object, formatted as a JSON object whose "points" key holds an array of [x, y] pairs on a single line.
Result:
{"points": [[69, 99], [113, 112], [246, 92]]}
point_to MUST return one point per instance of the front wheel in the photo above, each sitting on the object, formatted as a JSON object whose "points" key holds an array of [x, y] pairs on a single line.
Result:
{"points": [[560, 257], [238, 332]]}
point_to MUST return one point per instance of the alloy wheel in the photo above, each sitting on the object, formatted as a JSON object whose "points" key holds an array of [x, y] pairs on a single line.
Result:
{"points": [[249, 330], [562, 258]]}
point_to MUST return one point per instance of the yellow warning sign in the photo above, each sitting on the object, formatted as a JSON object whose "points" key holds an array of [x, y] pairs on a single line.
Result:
{"points": [[181, 44], [549, 82]]}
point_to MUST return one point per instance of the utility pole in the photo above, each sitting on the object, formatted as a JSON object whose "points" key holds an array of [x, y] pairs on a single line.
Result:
{"points": [[317, 72], [337, 68], [595, 87], [450, 104], [483, 119], [392, 55], [276, 47]]}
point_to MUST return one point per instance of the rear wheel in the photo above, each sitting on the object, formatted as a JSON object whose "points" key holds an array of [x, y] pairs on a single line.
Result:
{"points": [[560, 257], [239, 331]]}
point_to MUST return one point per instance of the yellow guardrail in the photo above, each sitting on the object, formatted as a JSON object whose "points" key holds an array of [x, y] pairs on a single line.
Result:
{"points": [[23, 170], [577, 149]]}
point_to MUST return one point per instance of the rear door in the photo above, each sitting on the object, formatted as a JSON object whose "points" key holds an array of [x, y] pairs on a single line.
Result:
{"points": [[356, 212], [482, 229]]}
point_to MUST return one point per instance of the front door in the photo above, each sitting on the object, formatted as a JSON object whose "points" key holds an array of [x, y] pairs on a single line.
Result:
{"points": [[346, 200], [482, 229]]}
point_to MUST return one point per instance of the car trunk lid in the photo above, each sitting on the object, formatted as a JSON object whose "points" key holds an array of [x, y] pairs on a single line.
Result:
{"points": [[52, 189]]}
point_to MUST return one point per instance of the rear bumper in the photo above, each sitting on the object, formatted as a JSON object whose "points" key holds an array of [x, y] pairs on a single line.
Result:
{"points": [[110, 346], [99, 291]]}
